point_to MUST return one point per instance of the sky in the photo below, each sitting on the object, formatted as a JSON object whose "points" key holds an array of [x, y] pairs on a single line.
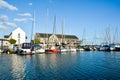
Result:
{"points": [[87, 19]]}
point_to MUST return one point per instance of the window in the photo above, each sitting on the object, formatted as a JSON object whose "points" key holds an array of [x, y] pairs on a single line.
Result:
{"points": [[18, 35], [18, 38]]}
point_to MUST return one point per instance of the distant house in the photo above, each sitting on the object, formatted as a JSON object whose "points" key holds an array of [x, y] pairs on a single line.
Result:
{"points": [[58, 38], [18, 34]]}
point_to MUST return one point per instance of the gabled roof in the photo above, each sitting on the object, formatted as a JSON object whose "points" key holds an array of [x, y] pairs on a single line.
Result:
{"points": [[7, 36], [43, 35], [18, 29]]}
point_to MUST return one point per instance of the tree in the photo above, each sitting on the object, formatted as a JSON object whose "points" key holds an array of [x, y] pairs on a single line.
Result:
{"points": [[36, 41], [12, 41]]}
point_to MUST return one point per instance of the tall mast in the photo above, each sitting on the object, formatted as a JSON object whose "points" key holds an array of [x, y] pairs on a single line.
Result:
{"points": [[94, 39], [33, 26], [62, 30], [115, 36], [34, 21], [108, 36], [54, 28], [46, 35], [84, 37]]}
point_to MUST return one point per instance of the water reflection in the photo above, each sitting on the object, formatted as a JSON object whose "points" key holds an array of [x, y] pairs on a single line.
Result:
{"points": [[81, 65]]}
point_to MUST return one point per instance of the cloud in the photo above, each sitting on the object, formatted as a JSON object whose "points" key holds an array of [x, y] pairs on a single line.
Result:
{"points": [[4, 4], [6, 25], [25, 15], [2, 27], [30, 4], [9, 24], [20, 20], [31, 19], [3, 17]]}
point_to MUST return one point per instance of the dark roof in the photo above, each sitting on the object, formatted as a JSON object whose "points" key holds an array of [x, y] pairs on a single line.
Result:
{"points": [[7, 36], [43, 35]]}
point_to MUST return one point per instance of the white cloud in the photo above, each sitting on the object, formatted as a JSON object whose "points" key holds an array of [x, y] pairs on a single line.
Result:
{"points": [[9, 24], [31, 19], [30, 4], [25, 15], [20, 20], [4, 4], [3, 17], [6, 25], [3, 27]]}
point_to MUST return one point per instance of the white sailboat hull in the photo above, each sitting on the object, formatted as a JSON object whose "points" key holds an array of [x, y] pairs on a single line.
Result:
{"points": [[63, 50], [40, 51], [73, 50]]}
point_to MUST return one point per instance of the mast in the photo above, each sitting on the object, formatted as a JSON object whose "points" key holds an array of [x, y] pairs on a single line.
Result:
{"points": [[84, 37], [108, 36], [115, 36], [46, 35], [63, 31], [33, 27], [94, 39], [54, 31], [54, 27]]}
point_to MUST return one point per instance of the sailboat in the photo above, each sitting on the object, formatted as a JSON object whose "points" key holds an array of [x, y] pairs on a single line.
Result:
{"points": [[105, 46], [37, 47], [115, 46], [62, 47], [52, 48], [27, 48]]}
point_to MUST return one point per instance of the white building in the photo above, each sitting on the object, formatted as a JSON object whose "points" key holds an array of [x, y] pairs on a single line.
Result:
{"points": [[18, 34]]}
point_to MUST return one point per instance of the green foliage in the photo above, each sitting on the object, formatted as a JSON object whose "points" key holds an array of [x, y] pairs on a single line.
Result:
{"points": [[36, 41], [12, 41]]}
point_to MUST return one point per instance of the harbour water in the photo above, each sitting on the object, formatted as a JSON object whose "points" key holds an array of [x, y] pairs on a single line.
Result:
{"points": [[63, 66]]}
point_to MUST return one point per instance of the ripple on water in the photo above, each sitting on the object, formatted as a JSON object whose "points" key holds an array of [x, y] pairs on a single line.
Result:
{"points": [[69, 66]]}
